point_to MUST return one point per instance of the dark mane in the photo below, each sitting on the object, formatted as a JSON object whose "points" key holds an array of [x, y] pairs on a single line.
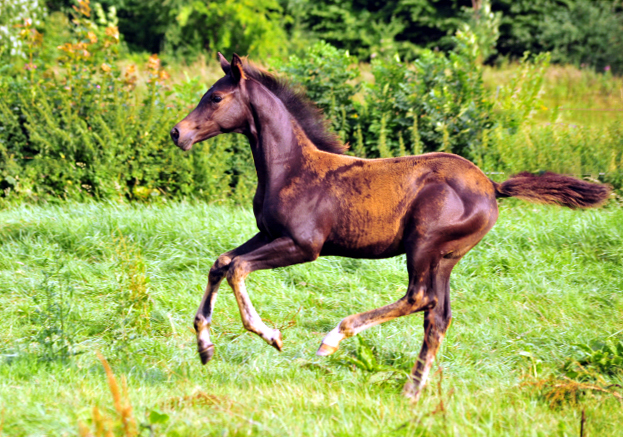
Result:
{"points": [[306, 113]]}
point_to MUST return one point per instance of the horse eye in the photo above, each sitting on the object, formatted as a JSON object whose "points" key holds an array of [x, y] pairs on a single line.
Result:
{"points": [[216, 99]]}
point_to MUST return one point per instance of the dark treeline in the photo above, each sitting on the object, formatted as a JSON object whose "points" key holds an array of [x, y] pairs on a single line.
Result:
{"points": [[579, 32]]}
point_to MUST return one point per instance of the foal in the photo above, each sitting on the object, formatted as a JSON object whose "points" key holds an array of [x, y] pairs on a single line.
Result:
{"points": [[313, 201]]}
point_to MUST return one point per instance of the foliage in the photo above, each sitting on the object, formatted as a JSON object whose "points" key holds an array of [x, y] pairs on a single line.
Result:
{"points": [[438, 104], [450, 99], [563, 148], [517, 102], [250, 27], [14, 14], [79, 126], [186, 29], [387, 117], [485, 25], [575, 31], [85, 130], [327, 75], [53, 316], [599, 357]]}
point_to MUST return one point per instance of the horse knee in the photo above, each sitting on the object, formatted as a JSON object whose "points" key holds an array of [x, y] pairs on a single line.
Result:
{"points": [[218, 269], [237, 270]]}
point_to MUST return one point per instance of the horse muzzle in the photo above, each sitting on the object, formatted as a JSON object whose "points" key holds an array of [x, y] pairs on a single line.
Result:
{"points": [[184, 142]]}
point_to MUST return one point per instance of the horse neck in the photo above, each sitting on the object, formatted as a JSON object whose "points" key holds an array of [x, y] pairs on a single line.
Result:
{"points": [[274, 143]]}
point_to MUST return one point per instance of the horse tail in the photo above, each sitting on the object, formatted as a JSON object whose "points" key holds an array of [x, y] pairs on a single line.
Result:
{"points": [[553, 188]]}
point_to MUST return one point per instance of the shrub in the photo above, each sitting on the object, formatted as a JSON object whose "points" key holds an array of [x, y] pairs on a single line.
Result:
{"points": [[13, 15], [87, 130], [386, 118], [439, 104], [327, 75]]}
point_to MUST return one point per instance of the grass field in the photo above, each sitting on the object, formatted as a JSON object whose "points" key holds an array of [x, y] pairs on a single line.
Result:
{"points": [[126, 280]]}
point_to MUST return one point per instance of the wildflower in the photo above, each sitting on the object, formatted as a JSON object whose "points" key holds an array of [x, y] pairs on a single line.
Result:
{"points": [[92, 37], [83, 8], [113, 32], [153, 63], [607, 68], [105, 68], [30, 66], [163, 75]]}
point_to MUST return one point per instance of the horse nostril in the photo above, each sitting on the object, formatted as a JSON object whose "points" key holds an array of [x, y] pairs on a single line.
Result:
{"points": [[175, 135]]}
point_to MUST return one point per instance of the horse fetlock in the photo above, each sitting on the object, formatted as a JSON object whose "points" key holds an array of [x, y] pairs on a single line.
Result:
{"points": [[275, 339], [201, 323], [204, 345], [206, 352], [412, 390]]}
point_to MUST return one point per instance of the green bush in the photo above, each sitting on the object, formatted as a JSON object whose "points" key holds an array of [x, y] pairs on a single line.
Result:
{"points": [[386, 117], [85, 130], [438, 104], [574, 31], [327, 75]]}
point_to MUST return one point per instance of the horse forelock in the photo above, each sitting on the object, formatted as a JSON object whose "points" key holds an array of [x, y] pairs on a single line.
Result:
{"points": [[306, 113]]}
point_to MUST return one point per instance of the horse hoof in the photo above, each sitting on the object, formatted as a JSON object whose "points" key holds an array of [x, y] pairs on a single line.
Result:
{"points": [[277, 341], [325, 350], [206, 353], [410, 391]]}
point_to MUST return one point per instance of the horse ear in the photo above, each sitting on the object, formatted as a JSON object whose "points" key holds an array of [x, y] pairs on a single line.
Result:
{"points": [[225, 65], [237, 71]]}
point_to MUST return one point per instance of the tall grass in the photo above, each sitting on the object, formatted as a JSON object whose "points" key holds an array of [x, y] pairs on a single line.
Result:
{"points": [[542, 282]]}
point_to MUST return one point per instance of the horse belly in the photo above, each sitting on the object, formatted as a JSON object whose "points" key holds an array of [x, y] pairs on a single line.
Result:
{"points": [[366, 234]]}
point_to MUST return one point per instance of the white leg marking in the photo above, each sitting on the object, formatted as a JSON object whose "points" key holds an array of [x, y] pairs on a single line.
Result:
{"points": [[334, 337], [251, 320]]}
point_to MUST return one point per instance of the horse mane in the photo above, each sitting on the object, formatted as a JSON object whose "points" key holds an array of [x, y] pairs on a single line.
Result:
{"points": [[306, 112]]}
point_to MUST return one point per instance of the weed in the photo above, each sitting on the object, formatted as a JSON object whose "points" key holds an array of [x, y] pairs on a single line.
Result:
{"points": [[52, 317], [562, 391], [105, 426], [599, 357], [135, 303]]}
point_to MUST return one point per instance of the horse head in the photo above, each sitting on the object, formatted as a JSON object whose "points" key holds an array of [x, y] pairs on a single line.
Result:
{"points": [[222, 109]]}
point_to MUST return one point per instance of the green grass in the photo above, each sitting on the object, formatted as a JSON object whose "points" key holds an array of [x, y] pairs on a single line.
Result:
{"points": [[586, 98], [75, 279]]}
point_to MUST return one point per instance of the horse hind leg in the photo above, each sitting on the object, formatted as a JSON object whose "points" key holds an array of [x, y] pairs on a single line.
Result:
{"points": [[436, 323], [419, 297], [352, 325], [429, 291]]}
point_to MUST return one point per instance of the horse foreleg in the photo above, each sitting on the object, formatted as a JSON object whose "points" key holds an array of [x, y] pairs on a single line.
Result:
{"points": [[281, 252], [203, 318]]}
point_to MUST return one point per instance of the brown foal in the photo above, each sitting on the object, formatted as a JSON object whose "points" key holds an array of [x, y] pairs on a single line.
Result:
{"points": [[311, 201]]}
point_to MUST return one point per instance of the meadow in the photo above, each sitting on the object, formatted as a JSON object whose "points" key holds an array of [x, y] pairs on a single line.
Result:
{"points": [[532, 350], [107, 234]]}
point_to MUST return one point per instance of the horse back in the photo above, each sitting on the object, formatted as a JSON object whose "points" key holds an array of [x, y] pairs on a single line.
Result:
{"points": [[367, 208]]}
